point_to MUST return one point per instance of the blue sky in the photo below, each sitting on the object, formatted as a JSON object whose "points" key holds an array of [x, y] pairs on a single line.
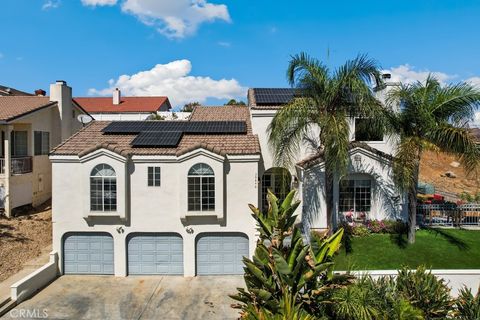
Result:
{"points": [[244, 42]]}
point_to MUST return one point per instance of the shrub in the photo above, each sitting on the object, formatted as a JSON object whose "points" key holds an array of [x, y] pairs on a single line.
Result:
{"points": [[467, 305], [425, 291]]}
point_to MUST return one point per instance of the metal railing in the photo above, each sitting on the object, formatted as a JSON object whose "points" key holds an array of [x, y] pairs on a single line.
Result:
{"points": [[450, 215], [19, 165]]}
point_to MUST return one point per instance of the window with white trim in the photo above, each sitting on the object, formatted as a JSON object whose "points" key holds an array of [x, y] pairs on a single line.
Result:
{"points": [[355, 195], [201, 188], [103, 188], [153, 176]]}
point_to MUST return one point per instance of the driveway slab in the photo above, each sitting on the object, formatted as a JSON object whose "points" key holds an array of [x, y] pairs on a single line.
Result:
{"points": [[134, 297]]}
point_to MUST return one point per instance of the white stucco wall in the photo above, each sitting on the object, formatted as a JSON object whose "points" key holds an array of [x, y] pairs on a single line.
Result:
{"points": [[154, 209], [386, 201]]}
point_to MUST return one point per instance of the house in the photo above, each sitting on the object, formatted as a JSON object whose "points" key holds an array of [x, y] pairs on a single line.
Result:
{"points": [[366, 192], [30, 126], [118, 108], [157, 197], [170, 197], [7, 91]]}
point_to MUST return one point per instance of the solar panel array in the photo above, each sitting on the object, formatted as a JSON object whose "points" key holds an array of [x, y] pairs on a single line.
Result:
{"points": [[273, 96], [157, 139], [169, 133]]}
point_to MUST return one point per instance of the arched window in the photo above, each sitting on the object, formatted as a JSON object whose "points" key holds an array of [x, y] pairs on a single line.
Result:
{"points": [[201, 188], [103, 188]]}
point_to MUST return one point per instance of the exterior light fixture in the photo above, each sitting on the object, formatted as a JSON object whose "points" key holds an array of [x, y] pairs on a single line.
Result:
{"points": [[358, 159]]}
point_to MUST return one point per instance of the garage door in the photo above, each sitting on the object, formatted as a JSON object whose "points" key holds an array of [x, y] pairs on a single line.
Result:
{"points": [[88, 253], [221, 253], [155, 254]]}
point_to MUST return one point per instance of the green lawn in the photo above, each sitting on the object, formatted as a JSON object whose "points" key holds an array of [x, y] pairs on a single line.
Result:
{"points": [[435, 248]]}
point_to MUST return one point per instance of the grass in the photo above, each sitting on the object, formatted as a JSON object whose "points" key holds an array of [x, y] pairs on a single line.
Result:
{"points": [[434, 248]]}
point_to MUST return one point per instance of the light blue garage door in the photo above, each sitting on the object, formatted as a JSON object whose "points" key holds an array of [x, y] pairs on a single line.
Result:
{"points": [[221, 253], [88, 253], [155, 253]]}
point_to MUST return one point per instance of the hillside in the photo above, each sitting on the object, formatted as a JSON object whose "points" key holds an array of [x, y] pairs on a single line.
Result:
{"points": [[433, 168]]}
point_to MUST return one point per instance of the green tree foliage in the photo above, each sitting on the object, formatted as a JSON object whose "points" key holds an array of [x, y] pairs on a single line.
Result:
{"points": [[326, 99], [433, 117], [286, 276], [233, 102], [190, 106]]}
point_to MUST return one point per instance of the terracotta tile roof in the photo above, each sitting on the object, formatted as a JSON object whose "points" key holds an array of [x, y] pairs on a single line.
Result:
{"points": [[127, 104], [318, 157], [12, 107], [92, 138]]}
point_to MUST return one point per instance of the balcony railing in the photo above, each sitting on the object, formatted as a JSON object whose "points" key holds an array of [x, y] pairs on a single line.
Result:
{"points": [[19, 165]]}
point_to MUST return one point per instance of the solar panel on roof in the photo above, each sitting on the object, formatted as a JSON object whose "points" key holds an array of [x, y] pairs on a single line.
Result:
{"points": [[190, 127], [274, 96], [157, 139]]}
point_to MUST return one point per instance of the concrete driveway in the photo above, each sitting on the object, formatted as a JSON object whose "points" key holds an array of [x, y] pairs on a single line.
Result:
{"points": [[134, 297]]}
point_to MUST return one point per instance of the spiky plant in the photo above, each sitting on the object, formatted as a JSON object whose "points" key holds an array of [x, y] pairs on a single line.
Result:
{"points": [[467, 305], [284, 266]]}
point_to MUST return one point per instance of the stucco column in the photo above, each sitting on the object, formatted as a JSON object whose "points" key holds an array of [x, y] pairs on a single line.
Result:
{"points": [[119, 252], [189, 260], [7, 170]]}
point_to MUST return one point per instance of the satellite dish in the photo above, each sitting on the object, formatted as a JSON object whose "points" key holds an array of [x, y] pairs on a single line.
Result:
{"points": [[84, 118]]}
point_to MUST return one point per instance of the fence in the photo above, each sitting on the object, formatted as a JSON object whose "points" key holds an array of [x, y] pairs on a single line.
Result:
{"points": [[450, 215]]}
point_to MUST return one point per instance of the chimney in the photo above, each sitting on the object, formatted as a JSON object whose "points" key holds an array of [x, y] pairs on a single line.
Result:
{"points": [[383, 87], [40, 92], [62, 94], [116, 96]]}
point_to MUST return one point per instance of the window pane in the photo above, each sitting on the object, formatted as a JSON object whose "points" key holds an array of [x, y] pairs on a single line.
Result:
{"points": [[110, 194], [96, 194], [19, 143], [150, 176], [37, 141], [157, 176], [200, 169], [194, 194], [208, 193]]}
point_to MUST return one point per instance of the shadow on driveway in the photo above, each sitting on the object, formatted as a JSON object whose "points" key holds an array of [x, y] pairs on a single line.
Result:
{"points": [[135, 297]]}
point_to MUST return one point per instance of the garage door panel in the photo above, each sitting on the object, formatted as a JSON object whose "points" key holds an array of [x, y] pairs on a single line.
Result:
{"points": [[155, 254], [88, 253], [221, 253]]}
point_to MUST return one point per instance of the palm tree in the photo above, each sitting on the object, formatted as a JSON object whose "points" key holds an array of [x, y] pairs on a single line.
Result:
{"points": [[431, 117], [327, 100]]}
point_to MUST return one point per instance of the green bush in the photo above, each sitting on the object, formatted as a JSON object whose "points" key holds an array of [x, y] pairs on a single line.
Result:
{"points": [[467, 305]]}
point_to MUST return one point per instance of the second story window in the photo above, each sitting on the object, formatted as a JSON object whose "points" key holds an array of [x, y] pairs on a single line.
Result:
{"points": [[19, 143], [41, 142], [365, 131], [103, 188], [153, 176], [201, 188]]}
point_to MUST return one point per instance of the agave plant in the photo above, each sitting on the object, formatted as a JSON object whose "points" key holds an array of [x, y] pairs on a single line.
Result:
{"points": [[468, 305], [284, 267]]}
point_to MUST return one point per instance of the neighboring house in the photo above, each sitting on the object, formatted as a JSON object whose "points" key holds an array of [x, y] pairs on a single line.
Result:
{"points": [[366, 192], [8, 92], [118, 108], [170, 197], [30, 125], [157, 197]]}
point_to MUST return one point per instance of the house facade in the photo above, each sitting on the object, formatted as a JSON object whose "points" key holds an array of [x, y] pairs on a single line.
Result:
{"points": [[30, 126], [126, 204], [170, 197], [118, 108]]}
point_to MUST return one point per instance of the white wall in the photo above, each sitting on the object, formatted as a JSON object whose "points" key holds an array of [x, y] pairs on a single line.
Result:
{"points": [[130, 116], [155, 209]]}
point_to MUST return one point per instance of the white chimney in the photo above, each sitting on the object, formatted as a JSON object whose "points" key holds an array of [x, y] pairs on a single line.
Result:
{"points": [[116, 96], [62, 94]]}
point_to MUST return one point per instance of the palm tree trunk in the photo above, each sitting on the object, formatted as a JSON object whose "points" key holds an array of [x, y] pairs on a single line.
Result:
{"points": [[329, 199], [412, 204]]}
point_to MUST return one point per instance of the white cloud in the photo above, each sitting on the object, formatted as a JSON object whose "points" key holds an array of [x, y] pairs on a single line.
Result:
{"points": [[474, 81], [50, 4], [176, 18], [173, 80], [407, 74], [99, 3], [476, 120]]}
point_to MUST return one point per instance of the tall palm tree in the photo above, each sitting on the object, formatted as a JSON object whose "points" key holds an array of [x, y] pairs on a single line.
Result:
{"points": [[327, 100], [431, 117]]}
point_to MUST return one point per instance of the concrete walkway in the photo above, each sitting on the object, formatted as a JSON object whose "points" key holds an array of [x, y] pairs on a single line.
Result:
{"points": [[28, 268], [135, 297]]}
